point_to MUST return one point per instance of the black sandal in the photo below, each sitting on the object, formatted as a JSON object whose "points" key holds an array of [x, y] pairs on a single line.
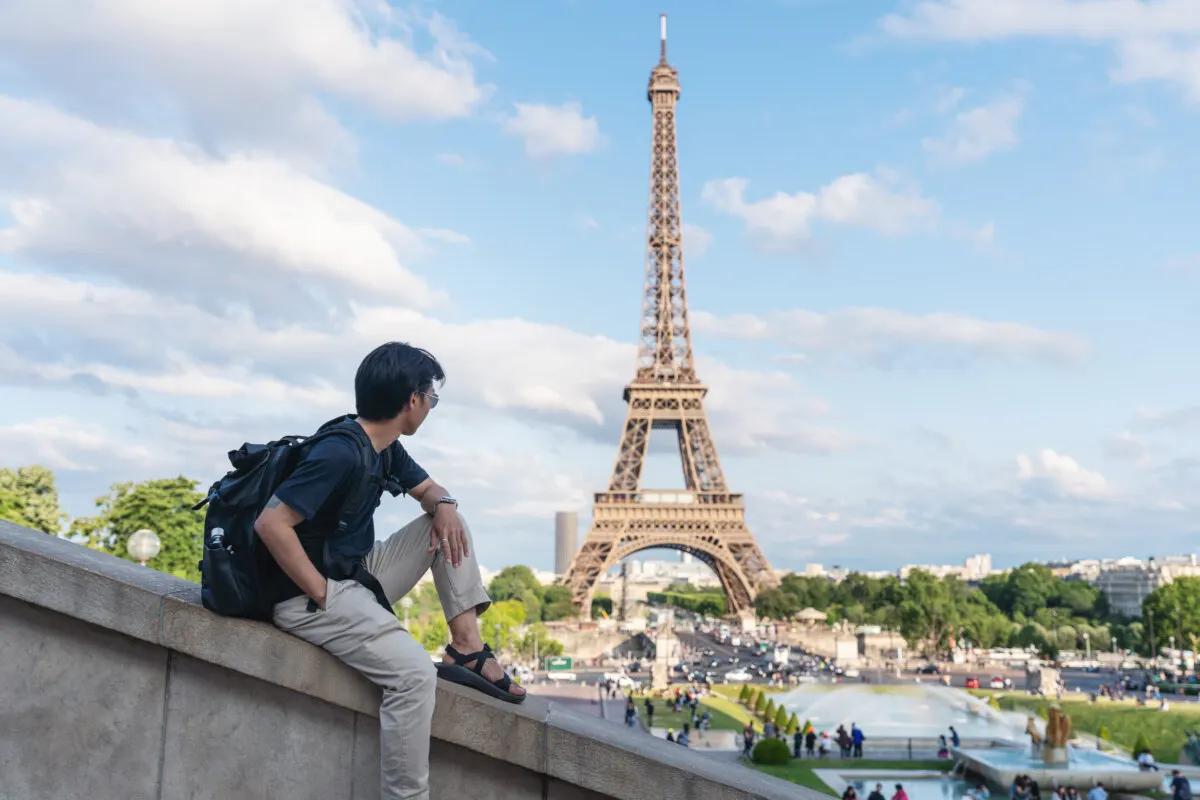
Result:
{"points": [[460, 673]]}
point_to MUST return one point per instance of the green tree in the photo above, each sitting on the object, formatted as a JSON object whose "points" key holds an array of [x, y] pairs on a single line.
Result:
{"points": [[518, 583], [556, 603], [744, 694], [769, 711], [1175, 608], [760, 702], [770, 751], [28, 497], [776, 604], [809, 591], [781, 718], [432, 633], [538, 642], [602, 605], [1141, 744], [1080, 599], [793, 725], [500, 624], [165, 507], [927, 612], [1066, 637]]}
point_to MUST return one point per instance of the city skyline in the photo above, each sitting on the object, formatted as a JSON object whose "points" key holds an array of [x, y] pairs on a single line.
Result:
{"points": [[941, 267]]}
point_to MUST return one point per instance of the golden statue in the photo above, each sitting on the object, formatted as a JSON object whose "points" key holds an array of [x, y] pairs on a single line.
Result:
{"points": [[1058, 728], [1031, 728]]}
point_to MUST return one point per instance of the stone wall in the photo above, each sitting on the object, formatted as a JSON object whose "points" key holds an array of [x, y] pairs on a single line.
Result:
{"points": [[115, 683]]}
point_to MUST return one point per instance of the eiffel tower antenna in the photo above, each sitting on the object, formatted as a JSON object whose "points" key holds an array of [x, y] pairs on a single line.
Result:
{"points": [[662, 47], [705, 519]]}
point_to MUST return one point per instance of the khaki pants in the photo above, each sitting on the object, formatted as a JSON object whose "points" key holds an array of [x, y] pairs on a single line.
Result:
{"points": [[356, 629]]}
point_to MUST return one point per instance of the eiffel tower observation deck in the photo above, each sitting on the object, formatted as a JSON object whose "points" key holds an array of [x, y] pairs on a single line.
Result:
{"points": [[705, 518]]}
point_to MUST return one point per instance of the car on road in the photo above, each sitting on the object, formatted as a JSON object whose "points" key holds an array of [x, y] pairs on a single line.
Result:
{"points": [[852, 673], [997, 682], [972, 683], [737, 676], [929, 669], [622, 680]]}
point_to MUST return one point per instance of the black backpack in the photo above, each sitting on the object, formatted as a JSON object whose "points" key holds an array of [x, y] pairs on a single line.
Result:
{"points": [[230, 580]]}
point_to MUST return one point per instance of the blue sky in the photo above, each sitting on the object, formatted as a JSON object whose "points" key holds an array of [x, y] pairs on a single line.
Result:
{"points": [[942, 256]]}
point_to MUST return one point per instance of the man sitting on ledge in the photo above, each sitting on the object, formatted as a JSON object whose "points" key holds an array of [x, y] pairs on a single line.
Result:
{"points": [[394, 392]]}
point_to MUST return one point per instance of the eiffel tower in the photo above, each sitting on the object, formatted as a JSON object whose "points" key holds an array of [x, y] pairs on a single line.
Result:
{"points": [[704, 519]]}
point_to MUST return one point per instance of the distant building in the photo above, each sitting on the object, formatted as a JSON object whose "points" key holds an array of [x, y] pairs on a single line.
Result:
{"points": [[1127, 586], [1126, 582], [974, 569], [566, 539]]}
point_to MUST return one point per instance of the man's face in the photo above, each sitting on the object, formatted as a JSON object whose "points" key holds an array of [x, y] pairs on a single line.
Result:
{"points": [[419, 406]]}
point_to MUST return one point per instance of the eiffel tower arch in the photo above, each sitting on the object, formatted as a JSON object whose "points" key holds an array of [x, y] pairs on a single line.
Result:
{"points": [[705, 518]]}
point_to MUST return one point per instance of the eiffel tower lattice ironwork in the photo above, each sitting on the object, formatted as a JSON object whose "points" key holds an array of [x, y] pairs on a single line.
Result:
{"points": [[704, 519]]}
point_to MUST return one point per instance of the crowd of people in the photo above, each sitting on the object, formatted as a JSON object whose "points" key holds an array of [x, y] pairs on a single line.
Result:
{"points": [[680, 700], [806, 741], [851, 793]]}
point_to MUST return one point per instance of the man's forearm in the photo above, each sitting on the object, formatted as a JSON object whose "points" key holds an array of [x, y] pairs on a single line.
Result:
{"points": [[284, 546], [429, 500]]}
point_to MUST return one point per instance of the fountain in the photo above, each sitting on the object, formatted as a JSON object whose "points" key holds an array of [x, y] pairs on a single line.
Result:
{"points": [[1051, 761], [898, 717]]}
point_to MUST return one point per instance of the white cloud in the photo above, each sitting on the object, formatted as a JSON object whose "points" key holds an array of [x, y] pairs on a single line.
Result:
{"points": [[1058, 475], [861, 200], [978, 132], [755, 411], [1152, 39], [550, 131], [244, 72], [1173, 419], [696, 240], [1127, 447], [161, 215], [66, 444], [883, 335]]}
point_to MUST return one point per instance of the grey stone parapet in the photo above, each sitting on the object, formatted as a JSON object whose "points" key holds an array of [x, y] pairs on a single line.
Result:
{"points": [[85, 636]]}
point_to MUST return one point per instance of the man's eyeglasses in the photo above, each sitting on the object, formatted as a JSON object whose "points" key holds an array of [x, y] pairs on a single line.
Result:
{"points": [[433, 399]]}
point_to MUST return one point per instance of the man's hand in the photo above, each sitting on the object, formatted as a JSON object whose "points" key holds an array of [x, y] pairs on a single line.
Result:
{"points": [[448, 534]]}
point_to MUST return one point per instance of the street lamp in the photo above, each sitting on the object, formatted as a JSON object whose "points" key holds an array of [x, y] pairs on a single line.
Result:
{"points": [[406, 604], [143, 545]]}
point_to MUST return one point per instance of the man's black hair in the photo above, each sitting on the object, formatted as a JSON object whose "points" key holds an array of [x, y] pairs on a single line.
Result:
{"points": [[388, 376]]}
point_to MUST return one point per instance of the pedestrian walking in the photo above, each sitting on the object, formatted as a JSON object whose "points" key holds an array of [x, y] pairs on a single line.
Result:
{"points": [[856, 739]]}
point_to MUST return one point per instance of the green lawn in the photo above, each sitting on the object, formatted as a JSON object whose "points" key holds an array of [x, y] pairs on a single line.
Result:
{"points": [[727, 713], [1166, 732], [800, 770]]}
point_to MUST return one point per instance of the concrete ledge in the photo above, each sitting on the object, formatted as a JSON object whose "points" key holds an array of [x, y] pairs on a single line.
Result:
{"points": [[577, 756]]}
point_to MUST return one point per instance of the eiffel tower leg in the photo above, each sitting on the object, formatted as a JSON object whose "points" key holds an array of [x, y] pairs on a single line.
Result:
{"points": [[632, 454], [589, 565], [700, 454]]}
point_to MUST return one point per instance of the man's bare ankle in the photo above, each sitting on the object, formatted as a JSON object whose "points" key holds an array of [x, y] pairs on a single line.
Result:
{"points": [[467, 645]]}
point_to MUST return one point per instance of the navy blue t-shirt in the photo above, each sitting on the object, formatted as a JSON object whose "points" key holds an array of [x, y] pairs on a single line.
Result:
{"points": [[317, 489]]}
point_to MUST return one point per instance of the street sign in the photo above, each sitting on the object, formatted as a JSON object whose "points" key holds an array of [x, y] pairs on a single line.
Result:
{"points": [[554, 663]]}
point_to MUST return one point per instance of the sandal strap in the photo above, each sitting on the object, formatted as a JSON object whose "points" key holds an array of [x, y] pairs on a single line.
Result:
{"points": [[480, 657]]}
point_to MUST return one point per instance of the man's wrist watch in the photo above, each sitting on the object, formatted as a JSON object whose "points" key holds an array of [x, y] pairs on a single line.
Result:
{"points": [[448, 500]]}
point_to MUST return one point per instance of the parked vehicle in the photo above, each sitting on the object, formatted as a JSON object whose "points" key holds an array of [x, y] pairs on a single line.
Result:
{"points": [[737, 676], [997, 682], [972, 682]]}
